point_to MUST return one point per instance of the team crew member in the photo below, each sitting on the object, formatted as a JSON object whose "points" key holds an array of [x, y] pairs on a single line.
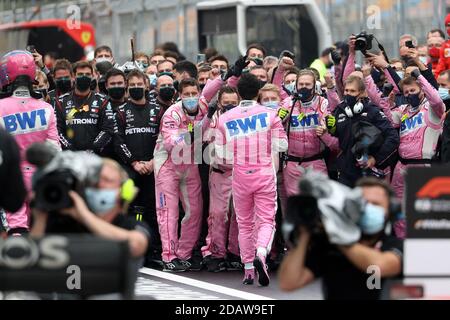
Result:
{"points": [[420, 123], [63, 76], [308, 139], [26, 118], [253, 133], [135, 139], [177, 177], [165, 93], [85, 118], [222, 224]]}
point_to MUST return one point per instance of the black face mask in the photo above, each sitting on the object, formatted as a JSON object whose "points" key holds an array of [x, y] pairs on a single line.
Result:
{"points": [[166, 93], [305, 94], [136, 93], [228, 107], [262, 83], [116, 93], [350, 100], [43, 93], [103, 67], [414, 100], [64, 85], [83, 83], [202, 86]]}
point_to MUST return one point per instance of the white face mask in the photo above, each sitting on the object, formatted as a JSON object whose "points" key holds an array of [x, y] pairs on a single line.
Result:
{"points": [[103, 59], [101, 201]]}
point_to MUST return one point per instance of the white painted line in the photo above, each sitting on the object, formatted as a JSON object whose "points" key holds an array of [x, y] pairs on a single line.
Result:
{"points": [[204, 285]]}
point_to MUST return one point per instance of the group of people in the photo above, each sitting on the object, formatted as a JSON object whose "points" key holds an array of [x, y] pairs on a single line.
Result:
{"points": [[230, 142]]}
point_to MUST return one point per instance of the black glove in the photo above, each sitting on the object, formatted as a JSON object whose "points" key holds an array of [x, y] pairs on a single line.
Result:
{"points": [[236, 69], [336, 57], [212, 108], [415, 73]]}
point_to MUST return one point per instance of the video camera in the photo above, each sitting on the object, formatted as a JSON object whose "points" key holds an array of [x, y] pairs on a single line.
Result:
{"points": [[324, 206], [60, 172], [363, 42]]}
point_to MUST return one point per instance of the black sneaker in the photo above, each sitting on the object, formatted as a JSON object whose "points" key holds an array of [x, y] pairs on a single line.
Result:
{"points": [[176, 265], [234, 263], [214, 264], [261, 269], [249, 277], [193, 264]]}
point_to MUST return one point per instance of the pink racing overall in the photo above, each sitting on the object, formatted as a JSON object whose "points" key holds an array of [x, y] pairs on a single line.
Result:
{"points": [[419, 132], [247, 137], [177, 178], [29, 120], [306, 149]]}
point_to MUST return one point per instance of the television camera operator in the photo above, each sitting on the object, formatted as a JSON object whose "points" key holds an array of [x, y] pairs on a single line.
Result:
{"points": [[77, 192], [345, 242]]}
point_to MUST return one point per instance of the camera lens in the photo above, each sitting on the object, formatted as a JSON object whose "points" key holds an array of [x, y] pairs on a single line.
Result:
{"points": [[361, 44], [53, 193]]}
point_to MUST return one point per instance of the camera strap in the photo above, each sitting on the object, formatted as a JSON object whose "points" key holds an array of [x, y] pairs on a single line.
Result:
{"points": [[380, 46]]}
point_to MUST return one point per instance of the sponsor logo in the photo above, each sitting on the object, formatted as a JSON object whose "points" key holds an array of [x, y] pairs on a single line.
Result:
{"points": [[247, 126], [25, 122], [82, 121], [139, 130], [412, 123], [309, 121]]}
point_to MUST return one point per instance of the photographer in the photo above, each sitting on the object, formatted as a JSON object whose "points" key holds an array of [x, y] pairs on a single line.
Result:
{"points": [[344, 268], [100, 213]]}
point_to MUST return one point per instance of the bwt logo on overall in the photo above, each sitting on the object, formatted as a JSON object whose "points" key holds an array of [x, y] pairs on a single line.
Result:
{"points": [[26, 121], [247, 126], [309, 121], [412, 123]]}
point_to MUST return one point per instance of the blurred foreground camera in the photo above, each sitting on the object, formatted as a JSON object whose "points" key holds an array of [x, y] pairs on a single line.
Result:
{"points": [[60, 172], [324, 206]]}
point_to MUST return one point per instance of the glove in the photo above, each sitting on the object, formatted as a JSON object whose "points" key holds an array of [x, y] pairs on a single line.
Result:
{"points": [[212, 108], [236, 69], [331, 124], [283, 113], [415, 73], [336, 57]]}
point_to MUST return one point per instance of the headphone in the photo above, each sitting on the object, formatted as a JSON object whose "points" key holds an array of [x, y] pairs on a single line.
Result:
{"points": [[128, 191], [357, 109]]}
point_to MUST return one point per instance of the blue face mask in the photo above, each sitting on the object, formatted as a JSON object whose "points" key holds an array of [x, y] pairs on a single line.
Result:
{"points": [[290, 87], [444, 93], [153, 78], [372, 219], [191, 104], [101, 201], [401, 74], [424, 60], [271, 104]]}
